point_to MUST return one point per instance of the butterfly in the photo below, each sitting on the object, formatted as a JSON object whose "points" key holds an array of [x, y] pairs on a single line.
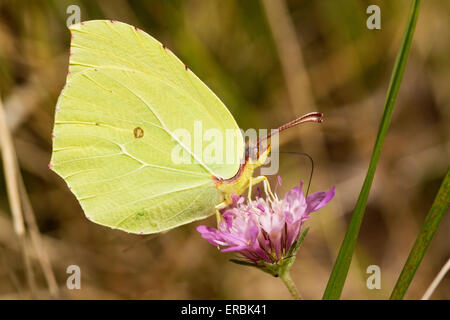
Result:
{"points": [[115, 132]]}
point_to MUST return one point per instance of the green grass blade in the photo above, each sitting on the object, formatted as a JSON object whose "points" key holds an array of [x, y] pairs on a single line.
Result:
{"points": [[342, 264], [432, 221]]}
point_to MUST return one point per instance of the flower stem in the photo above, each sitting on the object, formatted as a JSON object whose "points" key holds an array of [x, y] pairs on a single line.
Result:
{"points": [[287, 280]]}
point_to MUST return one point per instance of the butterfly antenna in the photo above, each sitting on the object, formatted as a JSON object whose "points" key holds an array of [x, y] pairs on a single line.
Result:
{"points": [[309, 117]]}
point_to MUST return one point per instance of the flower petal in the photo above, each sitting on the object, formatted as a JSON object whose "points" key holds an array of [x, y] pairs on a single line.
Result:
{"points": [[212, 235], [236, 248], [319, 199], [261, 229]]}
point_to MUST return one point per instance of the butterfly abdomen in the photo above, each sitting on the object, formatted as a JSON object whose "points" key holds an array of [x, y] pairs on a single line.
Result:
{"points": [[241, 181], [237, 184]]}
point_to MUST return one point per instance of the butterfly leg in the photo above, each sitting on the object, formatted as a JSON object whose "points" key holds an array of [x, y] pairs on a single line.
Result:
{"points": [[219, 217], [219, 207], [267, 188], [250, 185]]}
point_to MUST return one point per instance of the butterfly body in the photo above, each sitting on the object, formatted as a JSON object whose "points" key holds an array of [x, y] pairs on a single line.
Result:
{"points": [[243, 179], [114, 137]]}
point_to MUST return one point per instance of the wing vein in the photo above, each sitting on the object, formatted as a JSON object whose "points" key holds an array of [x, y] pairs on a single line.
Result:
{"points": [[149, 198], [163, 124]]}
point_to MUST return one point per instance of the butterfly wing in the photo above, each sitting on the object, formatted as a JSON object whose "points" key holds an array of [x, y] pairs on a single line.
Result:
{"points": [[114, 134]]}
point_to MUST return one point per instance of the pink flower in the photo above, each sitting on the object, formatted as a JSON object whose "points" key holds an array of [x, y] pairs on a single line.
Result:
{"points": [[265, 229]]}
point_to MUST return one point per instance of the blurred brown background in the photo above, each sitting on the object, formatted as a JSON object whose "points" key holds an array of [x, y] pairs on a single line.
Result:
{"points": [[269, 61]]}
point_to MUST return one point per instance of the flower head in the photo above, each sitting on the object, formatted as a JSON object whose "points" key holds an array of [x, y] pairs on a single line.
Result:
{"points": [[264, 230]]}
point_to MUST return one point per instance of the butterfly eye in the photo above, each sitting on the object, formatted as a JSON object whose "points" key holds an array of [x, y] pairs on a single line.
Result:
{"points": [[247, 152]]}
